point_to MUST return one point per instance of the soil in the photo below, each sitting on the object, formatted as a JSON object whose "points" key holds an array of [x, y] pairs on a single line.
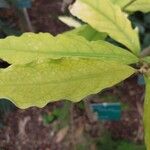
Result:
{"points": [[44, 16], [26, 130]]}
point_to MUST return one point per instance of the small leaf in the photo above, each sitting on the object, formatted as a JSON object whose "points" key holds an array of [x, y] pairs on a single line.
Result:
{"points": [[70, 21], [72, 79], [88, 32], [147, 113], [48, 118], [30, 47], [103, 16]]}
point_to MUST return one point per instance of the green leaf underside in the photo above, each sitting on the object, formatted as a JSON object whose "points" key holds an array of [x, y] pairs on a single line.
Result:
{"points": [[139, 5], [88, 33], [30, 47], [113, 21], [72, 79], [147, 113]]}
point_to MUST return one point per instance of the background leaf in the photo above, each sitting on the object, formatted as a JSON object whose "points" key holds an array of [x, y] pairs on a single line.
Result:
{"points": [[147, 113], [30, 47], [103, 16], [87, 32], [72, 79]]}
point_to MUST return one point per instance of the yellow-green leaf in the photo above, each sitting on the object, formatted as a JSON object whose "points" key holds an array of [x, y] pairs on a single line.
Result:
{"points": [[87, 32], [147, 113], [103, 16], [72, 79], [30, 47], [139, 5], [133, 5], [147, 59], [121, 3]]}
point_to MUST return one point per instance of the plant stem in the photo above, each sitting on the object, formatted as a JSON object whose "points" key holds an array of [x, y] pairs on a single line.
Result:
{"points": [[140, 136], [26, 15], [25, 22], [88, 110]]}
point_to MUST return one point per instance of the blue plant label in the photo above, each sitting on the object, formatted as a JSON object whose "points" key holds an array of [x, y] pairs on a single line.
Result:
{"points": [[107, 111], [24, 3], [141, 80]]}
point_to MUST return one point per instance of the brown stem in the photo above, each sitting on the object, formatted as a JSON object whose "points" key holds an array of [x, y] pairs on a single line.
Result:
{"points": [[88, 110]]}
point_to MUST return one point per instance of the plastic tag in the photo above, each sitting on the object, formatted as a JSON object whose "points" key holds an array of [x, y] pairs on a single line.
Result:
{"points": [[24, 3], [141, 80], [107, 111]]}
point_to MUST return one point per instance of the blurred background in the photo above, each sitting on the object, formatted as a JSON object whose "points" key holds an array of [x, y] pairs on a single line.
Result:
{"points": [[63, 125]]}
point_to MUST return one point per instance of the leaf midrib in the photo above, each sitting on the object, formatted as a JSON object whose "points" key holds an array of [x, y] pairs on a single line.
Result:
{"points": [[65, 54]]}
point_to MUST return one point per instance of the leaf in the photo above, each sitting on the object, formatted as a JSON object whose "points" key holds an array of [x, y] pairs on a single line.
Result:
{"points": [[121, 3], [147, 113], [103, 16], [147, 59], [133, 5], [70, 21], [83, 30], [139, 5], [88, 32], [30, 47], [36, 84]]}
